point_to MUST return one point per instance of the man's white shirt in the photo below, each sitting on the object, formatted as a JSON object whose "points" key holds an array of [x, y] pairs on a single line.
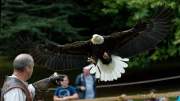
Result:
{"points": [[15, 94]]}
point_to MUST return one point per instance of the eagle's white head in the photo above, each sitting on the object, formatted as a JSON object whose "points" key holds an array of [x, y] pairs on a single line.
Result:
{"points": [[97, 39]]}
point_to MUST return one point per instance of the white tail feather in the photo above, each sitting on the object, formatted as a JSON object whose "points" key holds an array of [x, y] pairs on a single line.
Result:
{"points": [[111, 71]]}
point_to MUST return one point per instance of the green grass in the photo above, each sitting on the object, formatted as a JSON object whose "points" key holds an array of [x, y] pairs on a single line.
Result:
{"points": [[172, 99]]}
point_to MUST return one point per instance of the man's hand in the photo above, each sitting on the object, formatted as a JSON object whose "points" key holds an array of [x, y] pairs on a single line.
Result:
{"points": [[91, 60], [60, 98], [82, 88], [64, 99]]}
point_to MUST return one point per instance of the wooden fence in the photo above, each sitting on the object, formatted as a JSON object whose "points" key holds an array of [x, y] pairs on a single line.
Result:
{"points": [[138, 96]]}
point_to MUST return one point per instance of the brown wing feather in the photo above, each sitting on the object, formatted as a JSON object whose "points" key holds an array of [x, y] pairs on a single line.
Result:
{"points": [[59, 61], [157, 29]]}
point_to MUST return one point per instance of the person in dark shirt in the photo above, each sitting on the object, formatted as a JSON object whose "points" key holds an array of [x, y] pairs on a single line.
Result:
{"points": [[65, 91]]}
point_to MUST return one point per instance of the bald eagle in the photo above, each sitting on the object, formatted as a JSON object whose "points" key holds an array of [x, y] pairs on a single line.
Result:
{"points": [[111, 52]]}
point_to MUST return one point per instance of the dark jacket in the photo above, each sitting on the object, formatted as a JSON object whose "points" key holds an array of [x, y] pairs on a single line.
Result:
{"points": [[80, 81]]}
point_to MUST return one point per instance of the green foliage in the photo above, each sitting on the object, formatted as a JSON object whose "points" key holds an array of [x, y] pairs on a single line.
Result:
{"points": [[19, 15], [141, 9], [70, 20]]}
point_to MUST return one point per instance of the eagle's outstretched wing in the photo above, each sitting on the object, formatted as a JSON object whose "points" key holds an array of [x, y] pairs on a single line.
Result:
{"points": [[61, 57], [73, 55], [156, 30], [141, 37]]}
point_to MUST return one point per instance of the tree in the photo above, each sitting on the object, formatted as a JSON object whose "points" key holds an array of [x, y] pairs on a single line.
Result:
{"points": [[66, 21]]}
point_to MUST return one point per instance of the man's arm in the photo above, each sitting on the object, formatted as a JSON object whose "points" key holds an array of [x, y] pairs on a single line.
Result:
{"points": [[56, 98], [78, 81], [32, 90], [73, 97], [78, 84], [15, 94]]}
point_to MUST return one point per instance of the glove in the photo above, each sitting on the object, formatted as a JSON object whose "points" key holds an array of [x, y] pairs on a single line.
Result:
{"points": [[43, 84]]}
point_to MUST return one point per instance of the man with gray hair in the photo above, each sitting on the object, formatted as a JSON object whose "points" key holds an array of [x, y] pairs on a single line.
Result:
{"points": [[16, 88]]}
